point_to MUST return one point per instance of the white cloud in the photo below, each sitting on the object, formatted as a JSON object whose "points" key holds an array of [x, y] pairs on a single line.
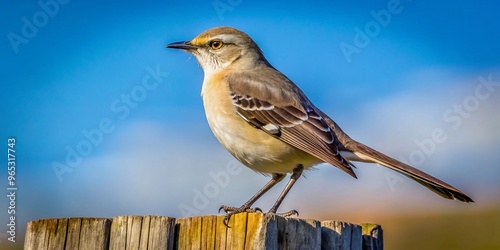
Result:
{"points": [[149, 167]]}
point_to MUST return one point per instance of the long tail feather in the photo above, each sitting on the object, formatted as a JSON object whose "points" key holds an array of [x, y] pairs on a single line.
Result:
{"points": [[367, 154], [359, 152]]}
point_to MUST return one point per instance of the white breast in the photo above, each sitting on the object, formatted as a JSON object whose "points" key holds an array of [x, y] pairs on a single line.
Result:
{"points": [[253, 147]]}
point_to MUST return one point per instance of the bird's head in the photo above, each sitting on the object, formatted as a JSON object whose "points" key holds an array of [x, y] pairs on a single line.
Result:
{"points": [[223, 48]]}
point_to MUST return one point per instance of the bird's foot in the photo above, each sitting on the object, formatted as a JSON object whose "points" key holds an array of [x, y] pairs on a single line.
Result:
{"points": [[230, 211], [286, 214]]}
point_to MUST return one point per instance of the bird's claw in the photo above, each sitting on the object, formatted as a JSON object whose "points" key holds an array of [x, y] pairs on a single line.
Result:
{"points": [[287, 214], [230, 211]]}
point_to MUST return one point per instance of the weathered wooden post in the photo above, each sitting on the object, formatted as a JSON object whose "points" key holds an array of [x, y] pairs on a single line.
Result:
{"points": [[142, 232], [247, 231], [64, 233]]}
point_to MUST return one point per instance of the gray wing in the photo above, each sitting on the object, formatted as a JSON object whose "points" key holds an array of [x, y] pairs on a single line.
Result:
{"points": [[281, 109]]}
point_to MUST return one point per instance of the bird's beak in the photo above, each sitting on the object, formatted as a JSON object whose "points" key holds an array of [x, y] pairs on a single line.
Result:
{"points": [[181, 45]]}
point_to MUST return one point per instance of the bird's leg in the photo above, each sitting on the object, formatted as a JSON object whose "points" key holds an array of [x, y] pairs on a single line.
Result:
{"points": [[246, 207], [297, 172]]}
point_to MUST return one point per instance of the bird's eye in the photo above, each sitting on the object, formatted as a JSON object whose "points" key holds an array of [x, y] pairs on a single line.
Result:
{"points": [[216, 44]]}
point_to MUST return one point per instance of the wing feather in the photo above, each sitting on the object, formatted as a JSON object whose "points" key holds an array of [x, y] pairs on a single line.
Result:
{"points": [[283, 111]]}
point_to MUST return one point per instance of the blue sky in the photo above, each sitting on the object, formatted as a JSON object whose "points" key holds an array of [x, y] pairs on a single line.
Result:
{"points": [[75, 71]]}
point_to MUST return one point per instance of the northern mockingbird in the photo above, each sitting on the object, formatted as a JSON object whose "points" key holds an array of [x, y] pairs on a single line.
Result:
{"points": [[264, 120]]}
